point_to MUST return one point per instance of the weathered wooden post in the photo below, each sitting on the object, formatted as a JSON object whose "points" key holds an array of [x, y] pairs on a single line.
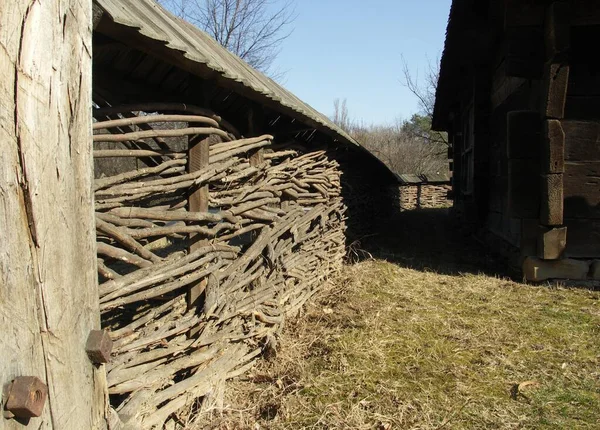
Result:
{"points": [[48, 285]]}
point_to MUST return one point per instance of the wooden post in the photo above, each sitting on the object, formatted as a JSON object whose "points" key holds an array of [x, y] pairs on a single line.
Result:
{"points": [[49, 294], [198, 158], [255, 126], [552, 239]]}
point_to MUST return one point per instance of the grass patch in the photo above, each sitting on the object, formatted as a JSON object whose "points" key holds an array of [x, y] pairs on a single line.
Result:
{"points": [[391, 347]]}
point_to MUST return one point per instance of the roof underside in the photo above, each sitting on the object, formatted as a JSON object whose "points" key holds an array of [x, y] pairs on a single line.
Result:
{"points": [[455, 61], [155, 23]]}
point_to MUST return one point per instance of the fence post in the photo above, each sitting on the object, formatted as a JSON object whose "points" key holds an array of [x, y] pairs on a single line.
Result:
{"points": [[49, 293]]}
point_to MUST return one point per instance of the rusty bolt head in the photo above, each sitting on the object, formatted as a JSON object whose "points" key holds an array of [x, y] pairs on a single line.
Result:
{"points": [[99, 346], [27, 396]]}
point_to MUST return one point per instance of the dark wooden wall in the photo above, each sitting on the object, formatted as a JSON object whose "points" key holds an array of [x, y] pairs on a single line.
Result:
{"points": [[535, 85]]}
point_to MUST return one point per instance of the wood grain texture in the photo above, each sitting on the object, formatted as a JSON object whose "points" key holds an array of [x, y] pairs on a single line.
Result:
{"points": [[582, 189], [553, 147], [552, 200], [49, 295], [551, 243], [554, 96], [582, 140]]}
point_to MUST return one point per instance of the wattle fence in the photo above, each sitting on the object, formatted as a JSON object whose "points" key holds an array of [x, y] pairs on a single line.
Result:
{"points": [[206, 241]]}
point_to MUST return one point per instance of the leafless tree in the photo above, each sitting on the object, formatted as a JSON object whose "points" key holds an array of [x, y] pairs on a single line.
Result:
{"points": [[398, 145], [425, 93], [341, 117], [251, 29], [401, 150]]}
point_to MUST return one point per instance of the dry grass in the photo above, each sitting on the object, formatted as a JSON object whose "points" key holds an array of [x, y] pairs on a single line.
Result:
{"points": [[391, 347]]}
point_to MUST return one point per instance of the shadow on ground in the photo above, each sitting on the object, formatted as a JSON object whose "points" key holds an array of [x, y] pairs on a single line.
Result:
{"points": [[431, 240]]}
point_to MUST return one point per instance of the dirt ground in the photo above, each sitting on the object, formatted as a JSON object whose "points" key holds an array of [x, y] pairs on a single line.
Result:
{"points": [[425, 332]]}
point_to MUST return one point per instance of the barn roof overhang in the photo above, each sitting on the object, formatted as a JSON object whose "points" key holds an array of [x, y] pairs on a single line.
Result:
{"points": [[456, 63], [145, 25]]}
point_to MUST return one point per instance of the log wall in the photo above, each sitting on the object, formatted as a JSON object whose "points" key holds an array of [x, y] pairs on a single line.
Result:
{"points": [[266, 233]]}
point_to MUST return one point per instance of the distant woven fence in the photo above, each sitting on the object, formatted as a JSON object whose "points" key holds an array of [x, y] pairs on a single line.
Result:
{"points": [[206, 242], [428, 191], [424, 196]]}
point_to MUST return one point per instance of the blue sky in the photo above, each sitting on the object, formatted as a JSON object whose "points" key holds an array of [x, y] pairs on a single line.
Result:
{"points": [[353, 49]]}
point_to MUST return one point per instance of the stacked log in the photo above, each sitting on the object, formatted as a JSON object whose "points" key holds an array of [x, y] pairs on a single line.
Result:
{"points": [[273, 233]]}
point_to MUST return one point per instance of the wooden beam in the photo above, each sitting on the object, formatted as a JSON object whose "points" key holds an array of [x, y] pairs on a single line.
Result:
{"points": [[554, 90], [49, 292], [538, 270], [552, 243], [198, 158], [256, 119], [556, 70], [557, 30], [97, 14], [553, 147], [552, 200]]}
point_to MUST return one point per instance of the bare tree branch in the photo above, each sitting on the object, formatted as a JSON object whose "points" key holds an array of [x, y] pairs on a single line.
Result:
{"points": [[405, 146], [425, 94], [251, 29]]}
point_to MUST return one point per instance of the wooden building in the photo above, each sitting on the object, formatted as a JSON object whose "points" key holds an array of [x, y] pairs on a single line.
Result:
{"points": [[519, 94], [229, 207]]}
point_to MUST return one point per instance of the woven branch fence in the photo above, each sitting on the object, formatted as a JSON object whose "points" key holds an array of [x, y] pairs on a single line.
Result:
{"points": [[206, 242]]}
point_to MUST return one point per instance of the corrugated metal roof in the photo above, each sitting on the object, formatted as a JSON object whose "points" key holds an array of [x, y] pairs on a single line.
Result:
{"points": [[154, 22], [407, 179], [433, 178], [426, 178]]}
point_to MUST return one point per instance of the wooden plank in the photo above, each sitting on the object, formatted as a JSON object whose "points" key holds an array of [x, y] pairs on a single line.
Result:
{"points": [[584, 238], [554, 90], [551, 200], [198, 158], [256, 119], [537, 270], [49, 294], [524, 134], [553, 148], [582, 189], [523, 188], [551, 243], [582, 140], [504, 86], [557, 31]]}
